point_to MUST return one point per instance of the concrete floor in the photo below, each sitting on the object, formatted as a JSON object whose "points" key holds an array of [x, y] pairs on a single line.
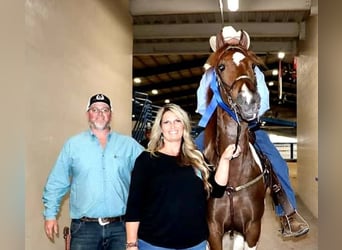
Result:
{"points": [[271, 238]]}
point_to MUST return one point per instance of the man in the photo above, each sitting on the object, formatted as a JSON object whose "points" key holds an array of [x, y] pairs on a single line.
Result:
{"points": [[147, 136], [95, 166], [292, 224]]}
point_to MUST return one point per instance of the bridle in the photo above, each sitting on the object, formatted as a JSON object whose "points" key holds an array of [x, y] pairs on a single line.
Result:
{"points": [[228, 92], [222, 84]]}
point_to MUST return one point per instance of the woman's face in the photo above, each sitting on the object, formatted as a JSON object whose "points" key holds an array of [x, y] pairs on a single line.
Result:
{"points": [[171, 127]]}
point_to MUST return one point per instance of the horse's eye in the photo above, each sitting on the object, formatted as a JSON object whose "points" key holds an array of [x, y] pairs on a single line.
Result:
{"points": [[221, 67]]}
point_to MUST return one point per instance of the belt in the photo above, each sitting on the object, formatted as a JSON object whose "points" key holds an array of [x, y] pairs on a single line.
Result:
{"points": [[103, 221]]}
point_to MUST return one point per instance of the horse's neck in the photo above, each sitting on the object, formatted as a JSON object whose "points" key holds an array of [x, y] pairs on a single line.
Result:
{"points": [[244, 167], [222, 131], [236, 132], [231, 132]]}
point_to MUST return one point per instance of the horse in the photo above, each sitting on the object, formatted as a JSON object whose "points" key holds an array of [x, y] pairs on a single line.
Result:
{"points": [[233, 101]]}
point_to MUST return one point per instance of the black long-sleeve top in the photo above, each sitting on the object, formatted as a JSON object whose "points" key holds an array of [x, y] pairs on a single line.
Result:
{"points": [[169, 201]]}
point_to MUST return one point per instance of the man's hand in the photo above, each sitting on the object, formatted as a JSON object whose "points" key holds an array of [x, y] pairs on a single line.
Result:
{"points": [[51, 228]]}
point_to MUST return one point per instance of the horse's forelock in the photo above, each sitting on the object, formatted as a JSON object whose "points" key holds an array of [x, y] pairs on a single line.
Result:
{"points": [[214, 58]]}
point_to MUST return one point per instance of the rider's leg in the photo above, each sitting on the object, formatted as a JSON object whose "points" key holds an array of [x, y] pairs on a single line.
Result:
{"points": [[292, 226], [279, 167], [199, 141]]}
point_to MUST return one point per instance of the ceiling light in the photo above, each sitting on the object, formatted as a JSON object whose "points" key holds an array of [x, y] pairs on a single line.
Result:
{"points": [[167, 101], [137, 80], [275, 72], [233, 5], [271, 83], [281, 55], [154, 91]]}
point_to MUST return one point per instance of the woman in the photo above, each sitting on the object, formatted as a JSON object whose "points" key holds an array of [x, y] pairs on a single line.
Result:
{"points": [[170, 185]]}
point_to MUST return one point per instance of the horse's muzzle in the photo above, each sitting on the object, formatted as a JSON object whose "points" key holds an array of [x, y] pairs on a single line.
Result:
{"points": [[248, 111]]}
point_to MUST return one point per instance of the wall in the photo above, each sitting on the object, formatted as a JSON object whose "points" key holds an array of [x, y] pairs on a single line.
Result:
{"points": [[73, 49], [307, 116]]}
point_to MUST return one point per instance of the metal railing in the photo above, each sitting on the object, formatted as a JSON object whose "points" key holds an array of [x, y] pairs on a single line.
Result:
{"points": [[288, 150], [143, 113]]}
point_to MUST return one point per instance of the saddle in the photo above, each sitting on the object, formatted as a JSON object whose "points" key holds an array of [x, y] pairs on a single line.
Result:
{"points": [[278, 194]]}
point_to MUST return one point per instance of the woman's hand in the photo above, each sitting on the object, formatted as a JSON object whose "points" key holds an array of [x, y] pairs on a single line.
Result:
{"points": [[229, 153], [222, 172]]}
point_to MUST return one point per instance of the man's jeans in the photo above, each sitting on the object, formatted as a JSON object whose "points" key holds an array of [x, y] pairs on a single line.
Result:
{"points": [[93, 236], [143, 245], [279, 166]]}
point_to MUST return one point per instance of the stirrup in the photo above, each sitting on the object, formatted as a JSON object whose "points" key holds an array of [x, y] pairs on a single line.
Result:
{"points": [[286, 225]]}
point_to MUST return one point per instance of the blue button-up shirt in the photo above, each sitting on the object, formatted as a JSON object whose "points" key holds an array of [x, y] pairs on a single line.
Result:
{"points": [[263, 91], [98, 178]]}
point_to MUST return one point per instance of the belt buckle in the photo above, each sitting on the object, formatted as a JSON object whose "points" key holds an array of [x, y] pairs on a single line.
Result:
{"points": [[103, 223]]}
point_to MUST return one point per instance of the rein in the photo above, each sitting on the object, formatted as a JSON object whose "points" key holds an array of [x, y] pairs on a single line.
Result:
{"points": [[231, 103], [227, 92], [231, 190]]}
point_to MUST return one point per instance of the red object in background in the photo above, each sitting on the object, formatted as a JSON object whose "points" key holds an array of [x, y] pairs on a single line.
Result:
{"points": [[295, 63], [294, 71]]}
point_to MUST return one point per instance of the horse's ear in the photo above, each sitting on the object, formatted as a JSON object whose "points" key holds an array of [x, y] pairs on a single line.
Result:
{"points": [[219, 40], [244, 40]]}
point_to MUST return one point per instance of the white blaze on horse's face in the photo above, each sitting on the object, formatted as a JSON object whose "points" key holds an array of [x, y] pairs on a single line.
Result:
{"points": [[246, 93], [238, 57]]}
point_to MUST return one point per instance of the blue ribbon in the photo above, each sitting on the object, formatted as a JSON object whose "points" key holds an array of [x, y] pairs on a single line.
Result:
{"points": [[216, 100]]}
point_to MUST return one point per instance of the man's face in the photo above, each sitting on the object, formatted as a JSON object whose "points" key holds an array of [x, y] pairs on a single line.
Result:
{"points": [[99, 116]]}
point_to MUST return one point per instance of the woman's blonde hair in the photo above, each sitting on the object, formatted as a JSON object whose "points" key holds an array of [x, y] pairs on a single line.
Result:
{"points": [[189, 154]]}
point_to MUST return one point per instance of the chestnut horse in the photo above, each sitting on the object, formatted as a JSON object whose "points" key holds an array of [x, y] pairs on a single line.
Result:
{"points": [[234, 101]]}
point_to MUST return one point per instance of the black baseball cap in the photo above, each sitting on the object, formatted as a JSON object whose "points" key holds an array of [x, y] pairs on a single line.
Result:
{"points": [[98, 98]]}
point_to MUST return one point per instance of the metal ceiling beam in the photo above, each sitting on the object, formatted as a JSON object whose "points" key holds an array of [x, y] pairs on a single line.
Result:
{"points": [[205, 30], [168, 84], [167, 68], [187, 100], [165, 48], [158, 7], [177, 94], [192, 91]]}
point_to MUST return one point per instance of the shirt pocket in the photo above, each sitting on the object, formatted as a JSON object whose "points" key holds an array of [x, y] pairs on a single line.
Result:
{"points": [[121, 165]]}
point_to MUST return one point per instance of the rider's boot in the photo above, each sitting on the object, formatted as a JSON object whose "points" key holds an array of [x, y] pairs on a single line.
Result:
{"points": [[293, 225]]}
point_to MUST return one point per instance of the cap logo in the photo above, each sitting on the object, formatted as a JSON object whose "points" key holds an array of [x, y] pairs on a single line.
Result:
{"points": [[99, 97]]}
